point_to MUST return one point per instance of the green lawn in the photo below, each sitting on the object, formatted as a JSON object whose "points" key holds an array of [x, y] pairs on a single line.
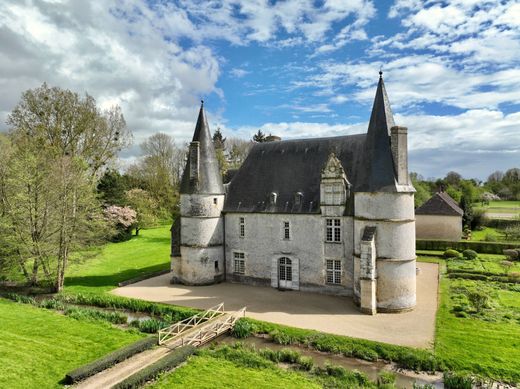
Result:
{"points": [[486, 344], [208, 372], [489, 348], [101, 270], [37, 346]]}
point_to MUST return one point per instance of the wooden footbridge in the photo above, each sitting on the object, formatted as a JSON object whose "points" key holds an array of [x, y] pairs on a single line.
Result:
{"points": [[196, 330]]}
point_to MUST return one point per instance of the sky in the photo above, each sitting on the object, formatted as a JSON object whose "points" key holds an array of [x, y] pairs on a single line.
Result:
{"points": [[293, 68]]}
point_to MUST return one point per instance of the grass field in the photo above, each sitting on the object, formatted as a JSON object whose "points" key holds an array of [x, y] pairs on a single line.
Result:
{"points": [[100, 270], [37, 346], [205, 371]]}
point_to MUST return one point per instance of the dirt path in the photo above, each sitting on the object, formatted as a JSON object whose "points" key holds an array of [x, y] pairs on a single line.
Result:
{"points": [[332, 314]]}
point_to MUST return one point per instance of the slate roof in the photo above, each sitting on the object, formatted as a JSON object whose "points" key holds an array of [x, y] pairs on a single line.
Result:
{"points": [[291, 166], [210, 180], [440, 204], [288, 167]]}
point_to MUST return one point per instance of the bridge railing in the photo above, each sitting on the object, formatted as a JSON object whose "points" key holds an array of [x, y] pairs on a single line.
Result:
{"points": [[177, 329]]}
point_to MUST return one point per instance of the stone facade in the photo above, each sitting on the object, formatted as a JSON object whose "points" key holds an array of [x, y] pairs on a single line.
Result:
{"points": [[441, 227]]}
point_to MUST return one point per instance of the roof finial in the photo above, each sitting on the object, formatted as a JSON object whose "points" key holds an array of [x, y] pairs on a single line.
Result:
{"points": [[202, 103], [381, 71]]}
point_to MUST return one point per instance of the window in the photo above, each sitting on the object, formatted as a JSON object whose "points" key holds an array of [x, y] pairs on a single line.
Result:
{"points": [[286, 230], [333, 230], [242, 227], [215, 201], [240, 263], [333, 271], [216, 265], [334, 193]]}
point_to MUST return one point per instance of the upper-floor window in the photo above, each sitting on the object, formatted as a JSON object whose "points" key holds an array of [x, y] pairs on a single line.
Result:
{"points": [[334, 193], [333, 230], [286, 230], [242, 227], [239, 262]]}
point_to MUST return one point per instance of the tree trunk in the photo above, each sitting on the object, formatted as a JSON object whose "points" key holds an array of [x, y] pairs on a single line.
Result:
{"points": [[34, 277], [137, 231]]}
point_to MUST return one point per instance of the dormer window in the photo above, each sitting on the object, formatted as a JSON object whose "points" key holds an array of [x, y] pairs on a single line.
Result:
{"points": [[334, 193], [272, 198], [298, 198]]}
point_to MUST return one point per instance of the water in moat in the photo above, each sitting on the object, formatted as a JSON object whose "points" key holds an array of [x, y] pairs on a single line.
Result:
{"points": [[404, 378]]}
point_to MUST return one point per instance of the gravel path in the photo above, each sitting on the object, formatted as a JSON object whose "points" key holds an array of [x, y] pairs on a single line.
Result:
{"points": [[332, 314]]}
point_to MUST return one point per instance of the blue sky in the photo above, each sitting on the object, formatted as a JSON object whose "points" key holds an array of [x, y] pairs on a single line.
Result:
{"points": [[295, 68]]}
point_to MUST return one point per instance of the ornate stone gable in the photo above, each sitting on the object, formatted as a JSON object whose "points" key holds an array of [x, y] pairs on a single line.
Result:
{"points": [[333, 169]]}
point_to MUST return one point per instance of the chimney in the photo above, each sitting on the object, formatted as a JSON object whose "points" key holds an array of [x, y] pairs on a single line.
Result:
{"points": [[400, 153], [194, 161]]}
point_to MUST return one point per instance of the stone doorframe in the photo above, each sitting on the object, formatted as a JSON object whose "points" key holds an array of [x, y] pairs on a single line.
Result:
{"points": [[295, 271]]}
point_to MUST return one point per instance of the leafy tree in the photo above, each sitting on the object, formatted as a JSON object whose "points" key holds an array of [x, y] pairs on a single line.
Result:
{"points": [[467, 217], [121, 219], [238, 153], [259, 137], [112, 187], [422, 188], [144, 205], [220, 147], [61, 143], [453, 178], [159, 171]]}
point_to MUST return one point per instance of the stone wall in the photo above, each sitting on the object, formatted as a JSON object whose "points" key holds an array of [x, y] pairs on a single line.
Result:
{"points": [[438, 227], [264, 244]]}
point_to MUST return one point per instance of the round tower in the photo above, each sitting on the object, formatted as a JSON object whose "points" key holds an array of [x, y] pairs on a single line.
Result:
{"points": [[199, 258], [384, 217]]}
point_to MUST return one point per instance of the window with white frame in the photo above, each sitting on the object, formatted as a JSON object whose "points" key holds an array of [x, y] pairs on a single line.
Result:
{"points": [[334, 193], [239, 263], [286, 230], [333, 230], [333, 271], [242, 227]]}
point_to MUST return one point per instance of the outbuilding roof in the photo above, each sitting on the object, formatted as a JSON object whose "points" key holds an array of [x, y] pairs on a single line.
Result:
{"points": [[440, 203]]}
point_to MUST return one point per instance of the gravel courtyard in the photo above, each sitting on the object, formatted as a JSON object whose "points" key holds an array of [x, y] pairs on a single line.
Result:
{"points": [[336, 315]]}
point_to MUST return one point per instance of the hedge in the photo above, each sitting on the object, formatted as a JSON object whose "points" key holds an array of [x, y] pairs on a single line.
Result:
{"points": [[152, 371], [479, 247], [109, 360]]}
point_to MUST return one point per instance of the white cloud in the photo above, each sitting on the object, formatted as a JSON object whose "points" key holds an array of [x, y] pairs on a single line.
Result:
{"points": [[238, 73]]}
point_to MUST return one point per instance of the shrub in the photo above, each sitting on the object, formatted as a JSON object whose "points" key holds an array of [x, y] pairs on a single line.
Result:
{"points": [[109, 360], [52, 304], [289, 356], [95, 314], [469, 254], [457, 381], [512, 254], [149, 326], [478, 300], [280, 337], [152, 371], [20, 298], [306, 363], [386, 377], [450, 253], [242, 329], [425, 386]]}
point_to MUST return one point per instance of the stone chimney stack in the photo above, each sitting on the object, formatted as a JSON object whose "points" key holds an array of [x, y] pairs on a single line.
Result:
{"points": [[399, 143]]}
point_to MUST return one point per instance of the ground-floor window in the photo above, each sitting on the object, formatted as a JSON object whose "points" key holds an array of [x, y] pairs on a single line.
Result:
{"points": [[333, 271], [239, 262]]}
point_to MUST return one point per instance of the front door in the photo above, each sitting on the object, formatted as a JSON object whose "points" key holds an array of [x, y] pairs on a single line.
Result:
{"points": [[285, 273]]}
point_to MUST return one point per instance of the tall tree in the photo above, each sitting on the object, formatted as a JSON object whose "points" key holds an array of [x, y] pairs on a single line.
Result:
{"points": [[259, 137], [220, 148], [61, 144]]}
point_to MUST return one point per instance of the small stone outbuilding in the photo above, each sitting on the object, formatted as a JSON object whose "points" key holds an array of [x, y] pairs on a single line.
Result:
{"points": [[439, 218]]}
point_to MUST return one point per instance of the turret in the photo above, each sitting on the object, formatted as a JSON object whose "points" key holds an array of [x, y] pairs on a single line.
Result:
{"points": [[201, 237], [384, 220]]}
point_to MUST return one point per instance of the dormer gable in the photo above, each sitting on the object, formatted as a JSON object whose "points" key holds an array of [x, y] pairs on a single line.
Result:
{"points": [[334, 185]]}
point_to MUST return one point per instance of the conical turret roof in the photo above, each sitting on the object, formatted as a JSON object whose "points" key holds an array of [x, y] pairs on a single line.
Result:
{"points": [[380, 172], [209, 179]]}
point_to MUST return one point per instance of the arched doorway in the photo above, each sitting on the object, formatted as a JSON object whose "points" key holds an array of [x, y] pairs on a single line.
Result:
{"points": [[285, 273]]}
